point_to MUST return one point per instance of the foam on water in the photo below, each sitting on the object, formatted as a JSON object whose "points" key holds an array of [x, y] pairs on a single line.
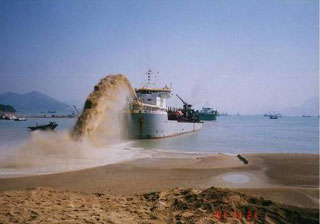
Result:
{"points": [[57, 152]]}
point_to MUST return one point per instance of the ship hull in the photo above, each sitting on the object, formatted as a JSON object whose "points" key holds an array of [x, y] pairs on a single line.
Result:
{"points": [[208, 117], [154, 125]]}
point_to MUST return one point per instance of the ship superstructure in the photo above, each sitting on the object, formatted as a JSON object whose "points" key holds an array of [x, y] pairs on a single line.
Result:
{"points": [[150, 117]]}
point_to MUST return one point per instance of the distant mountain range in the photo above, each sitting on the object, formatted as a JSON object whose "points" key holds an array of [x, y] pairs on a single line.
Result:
{"points": [[34, 102]]}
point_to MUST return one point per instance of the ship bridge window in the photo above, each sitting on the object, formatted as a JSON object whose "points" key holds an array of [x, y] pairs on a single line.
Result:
{"points": [[143, 91]]}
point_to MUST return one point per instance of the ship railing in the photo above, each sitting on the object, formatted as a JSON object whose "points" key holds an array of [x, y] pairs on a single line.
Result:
{"points": [[174, 109], [142, 106]]}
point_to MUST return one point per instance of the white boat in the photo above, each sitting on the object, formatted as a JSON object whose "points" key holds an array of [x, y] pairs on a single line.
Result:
{"points": [[20, 119]]}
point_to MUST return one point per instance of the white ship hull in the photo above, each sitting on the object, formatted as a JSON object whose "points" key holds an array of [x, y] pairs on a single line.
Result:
{"points": [[151, 124]]}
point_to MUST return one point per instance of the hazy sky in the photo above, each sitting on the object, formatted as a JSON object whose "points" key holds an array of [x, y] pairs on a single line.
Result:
{"points": [[241, 56]]}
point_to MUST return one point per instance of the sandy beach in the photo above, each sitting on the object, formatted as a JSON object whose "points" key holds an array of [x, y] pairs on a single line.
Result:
{"points": [[159, 112], [290, 179]]}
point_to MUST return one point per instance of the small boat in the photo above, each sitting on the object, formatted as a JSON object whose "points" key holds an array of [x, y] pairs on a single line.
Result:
{"points": [[273, 115], [45, 127], [20, 119]]}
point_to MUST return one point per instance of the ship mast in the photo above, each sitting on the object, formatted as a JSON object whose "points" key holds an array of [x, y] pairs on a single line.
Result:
{"points": [[151, 78]]}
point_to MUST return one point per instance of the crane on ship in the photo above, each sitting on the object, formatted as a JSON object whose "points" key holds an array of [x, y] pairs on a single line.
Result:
{"points": [[189, 114], [186, 106]]}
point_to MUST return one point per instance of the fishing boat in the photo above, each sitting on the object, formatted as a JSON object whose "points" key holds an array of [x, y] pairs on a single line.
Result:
{"points": [[45, 127]]}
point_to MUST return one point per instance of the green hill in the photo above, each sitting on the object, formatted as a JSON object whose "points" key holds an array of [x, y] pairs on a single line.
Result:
{"points": [[6, 108]]}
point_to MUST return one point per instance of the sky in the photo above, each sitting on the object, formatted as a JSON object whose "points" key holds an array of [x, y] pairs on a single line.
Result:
{"points": [[246, 56]]}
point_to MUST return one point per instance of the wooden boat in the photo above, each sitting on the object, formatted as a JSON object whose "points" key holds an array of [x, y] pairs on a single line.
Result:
{"points": [[45, 127]]}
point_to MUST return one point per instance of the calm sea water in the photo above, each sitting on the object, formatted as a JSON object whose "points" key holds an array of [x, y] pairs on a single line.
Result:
{"points": [[229, 134], [14, 132]]}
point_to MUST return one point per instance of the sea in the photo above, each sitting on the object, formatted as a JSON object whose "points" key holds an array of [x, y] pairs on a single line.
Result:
{"points": [[30, 153], [229, 134]]}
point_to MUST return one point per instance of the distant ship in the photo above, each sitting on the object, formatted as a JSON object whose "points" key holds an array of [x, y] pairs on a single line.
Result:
{"points": [[273, 116], [20, 119], [149, 117], [223, 114], [208, 114], [8, 117]]}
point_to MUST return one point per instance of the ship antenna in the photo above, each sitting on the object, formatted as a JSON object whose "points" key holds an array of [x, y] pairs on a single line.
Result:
{"points": [[149, 72], [151, 78]]}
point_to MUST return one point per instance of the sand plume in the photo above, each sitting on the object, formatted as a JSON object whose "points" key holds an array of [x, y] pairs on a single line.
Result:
{"points": [[99, 121], [98, 128]]}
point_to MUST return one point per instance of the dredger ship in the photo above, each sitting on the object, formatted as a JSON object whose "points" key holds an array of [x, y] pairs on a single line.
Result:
{"points": [[150, 117]]}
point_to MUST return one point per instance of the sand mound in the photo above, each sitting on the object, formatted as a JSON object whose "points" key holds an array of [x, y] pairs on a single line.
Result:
{"points": [[174, 206]]}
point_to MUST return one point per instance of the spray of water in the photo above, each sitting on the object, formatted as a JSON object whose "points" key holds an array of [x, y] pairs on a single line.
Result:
{"points": [[88, 144]]}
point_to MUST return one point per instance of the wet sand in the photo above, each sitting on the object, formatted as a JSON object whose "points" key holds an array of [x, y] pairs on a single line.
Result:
{"points": [[286, 178], [122, 193]]}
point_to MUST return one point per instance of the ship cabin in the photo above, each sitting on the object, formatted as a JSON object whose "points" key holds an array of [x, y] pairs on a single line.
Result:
{"points": [[207, 110], [156, 97]]}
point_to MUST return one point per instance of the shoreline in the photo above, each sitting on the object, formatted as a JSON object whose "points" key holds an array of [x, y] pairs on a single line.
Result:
{"points": [[152, 154], [171, 189], [267, 175]]}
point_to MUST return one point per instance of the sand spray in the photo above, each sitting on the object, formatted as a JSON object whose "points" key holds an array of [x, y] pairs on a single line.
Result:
{"points": [[99, 121], [91, 141]]}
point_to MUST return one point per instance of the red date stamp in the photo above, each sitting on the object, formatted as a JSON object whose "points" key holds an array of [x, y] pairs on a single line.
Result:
{"points": [[248, 215]]}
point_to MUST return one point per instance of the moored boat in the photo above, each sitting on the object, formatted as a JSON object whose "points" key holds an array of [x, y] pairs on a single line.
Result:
{"points": [[45, 127], [208, 114], [149, 117], [20, 119]]}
